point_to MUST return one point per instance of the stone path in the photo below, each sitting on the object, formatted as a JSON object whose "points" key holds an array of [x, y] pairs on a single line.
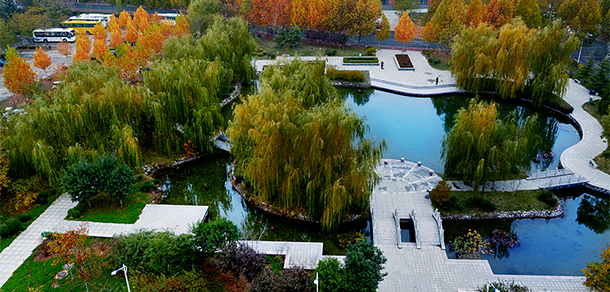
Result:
{"points": [[403, 187], [158, 217]]}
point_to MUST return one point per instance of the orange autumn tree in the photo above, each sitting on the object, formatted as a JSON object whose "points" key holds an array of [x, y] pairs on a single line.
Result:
{"points": [[153, 39], [99, 32], [116, 33], [141, 19], [308, 13], [270, 12], [42, 61], [475, 13], [131, 33], [499, 12], [83, 47], [99, 49], [124, 17], [64, 49], [405, 30], [19, 77]]}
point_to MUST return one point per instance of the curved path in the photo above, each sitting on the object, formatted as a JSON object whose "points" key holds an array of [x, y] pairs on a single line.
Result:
{"points": [[578, 157]]}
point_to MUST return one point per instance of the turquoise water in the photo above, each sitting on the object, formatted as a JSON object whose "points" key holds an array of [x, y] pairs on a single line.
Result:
{"points": [[414, 128]]}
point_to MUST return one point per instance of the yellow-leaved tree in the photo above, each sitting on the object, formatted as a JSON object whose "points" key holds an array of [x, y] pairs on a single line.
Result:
{"points": [[42, 60], [405, 30]]}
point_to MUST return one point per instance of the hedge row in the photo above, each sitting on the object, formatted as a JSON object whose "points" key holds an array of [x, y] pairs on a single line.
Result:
{"points": [[345, 75], [360, 60]]}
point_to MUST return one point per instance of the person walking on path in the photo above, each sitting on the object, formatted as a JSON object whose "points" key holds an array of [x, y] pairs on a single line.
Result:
{"points": [[436, 78], [381, 64]]}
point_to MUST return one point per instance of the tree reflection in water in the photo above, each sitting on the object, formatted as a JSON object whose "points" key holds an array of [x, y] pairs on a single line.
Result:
{"points": [[594, 213]]}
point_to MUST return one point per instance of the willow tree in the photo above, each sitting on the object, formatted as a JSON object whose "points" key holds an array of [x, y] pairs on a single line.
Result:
{"points": [[549, 55], [92, 112], [301, 148], [481, 147], [473, 58], [187, 105]]}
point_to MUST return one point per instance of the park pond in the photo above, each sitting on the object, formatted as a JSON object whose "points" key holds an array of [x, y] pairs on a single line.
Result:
{"points": [[413, 128]]}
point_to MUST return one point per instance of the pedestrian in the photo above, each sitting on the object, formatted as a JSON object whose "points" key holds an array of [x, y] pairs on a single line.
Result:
{"points": [[436, 80], [381, 64]]}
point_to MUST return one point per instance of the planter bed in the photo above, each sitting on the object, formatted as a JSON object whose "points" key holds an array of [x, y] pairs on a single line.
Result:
{"points": [[403, 62], [361, 61]]}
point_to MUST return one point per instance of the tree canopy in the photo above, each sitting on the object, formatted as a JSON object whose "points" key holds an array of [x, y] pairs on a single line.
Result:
{"points": [[481, 147], [301, 149]]}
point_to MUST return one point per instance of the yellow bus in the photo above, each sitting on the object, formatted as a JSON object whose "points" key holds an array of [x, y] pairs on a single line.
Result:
{"points": [[80, 25]]}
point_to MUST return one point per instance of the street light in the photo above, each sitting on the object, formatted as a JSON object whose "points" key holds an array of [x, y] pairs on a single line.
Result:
{"points": [[317, 282], [124, 269]]}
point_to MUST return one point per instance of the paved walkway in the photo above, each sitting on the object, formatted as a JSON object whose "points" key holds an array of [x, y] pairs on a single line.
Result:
{"points": [[297, 254], [403, 188], [157, 217], [578, 157]]}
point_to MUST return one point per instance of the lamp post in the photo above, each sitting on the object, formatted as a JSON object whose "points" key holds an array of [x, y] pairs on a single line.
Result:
{"points": [[317, 282], [124, 269]]}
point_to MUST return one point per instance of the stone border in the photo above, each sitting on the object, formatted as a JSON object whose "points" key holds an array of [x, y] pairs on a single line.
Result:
{"points": [[536, 214], [398, 65]]}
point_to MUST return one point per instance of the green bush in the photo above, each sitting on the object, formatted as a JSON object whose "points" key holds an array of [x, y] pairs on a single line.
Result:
{"points": [[345, 75], [271, 56], [344, 240], [428, 52], [370, 51], [454, 204], [14, 225], [548, 198], [24, 218], [330, 52], [215, 235], [74, 213], [363, 60], [147, 186], [482, 203], [4, 231], [434, 60]]}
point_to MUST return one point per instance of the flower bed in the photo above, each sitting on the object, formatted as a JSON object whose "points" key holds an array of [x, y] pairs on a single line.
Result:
{"points": [[403, 62], [361, 61]]}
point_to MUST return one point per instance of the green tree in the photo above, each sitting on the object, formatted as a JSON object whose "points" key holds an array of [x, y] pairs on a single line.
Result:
{"points": [[549, 53], [582, 16], [384, 31], [480, 147], [215, 235], [331, 275], [363, 266], [290, 36], [584, 74], [7, 8], [86, 180], [529, 12], [447, 22], [200, 14], [300, 148], [604, 30], [473, 58], [548, 9], [598, 274], [405, 5], [600, 81]]}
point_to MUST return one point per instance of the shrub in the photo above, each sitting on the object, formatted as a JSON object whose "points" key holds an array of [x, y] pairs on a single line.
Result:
{"points": [[346, 239], [332, 271], [434, 60], [85, 180], [345, 75], [548, 198], [470, 246], [4, 231], [289, 280], [427, 52], [147, 186], [157, 252], [371, 51], [482, 203], [598, 274], [14, 225], [503, 286], [441, 193], [240, 259], [24, 218], [454, 204], [330, 52], [362, 60], [215, 235], [363, 265], [43, 197], [271, 56], [74, 213]]}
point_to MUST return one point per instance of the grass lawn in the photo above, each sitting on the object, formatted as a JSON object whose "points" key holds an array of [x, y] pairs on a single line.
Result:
{"points": [[504, 201], [106, 212], [34, 213], [602, 160], [40, 273]]}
